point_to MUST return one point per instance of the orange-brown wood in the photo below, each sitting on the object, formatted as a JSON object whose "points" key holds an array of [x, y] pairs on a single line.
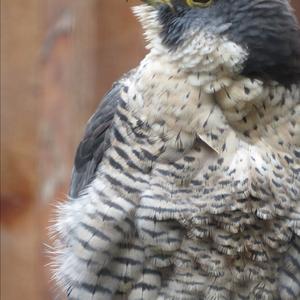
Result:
{"points": [[58, 57]]}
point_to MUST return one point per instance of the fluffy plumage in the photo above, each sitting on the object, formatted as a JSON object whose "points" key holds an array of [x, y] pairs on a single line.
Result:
{"points": [[186, 184]]}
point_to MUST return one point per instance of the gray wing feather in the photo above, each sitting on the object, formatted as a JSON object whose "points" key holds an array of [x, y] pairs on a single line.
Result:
{"points": [[95, 141]]}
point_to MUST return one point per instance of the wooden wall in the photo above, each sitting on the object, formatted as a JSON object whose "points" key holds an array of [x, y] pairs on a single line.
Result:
{"points": [[58, 57]]}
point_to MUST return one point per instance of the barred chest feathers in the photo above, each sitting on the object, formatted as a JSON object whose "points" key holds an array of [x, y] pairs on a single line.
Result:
{"points": [[198, 195]]}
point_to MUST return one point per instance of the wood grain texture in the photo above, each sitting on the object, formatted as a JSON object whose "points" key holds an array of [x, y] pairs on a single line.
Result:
{"points": [[58, 57], [296, 5]]}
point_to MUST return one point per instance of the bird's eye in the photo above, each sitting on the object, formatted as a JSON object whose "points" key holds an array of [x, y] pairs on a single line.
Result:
{"points": [[199, 3]]}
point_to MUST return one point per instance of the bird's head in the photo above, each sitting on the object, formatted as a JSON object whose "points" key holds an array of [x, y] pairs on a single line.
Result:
{"points": [[256, 38]]}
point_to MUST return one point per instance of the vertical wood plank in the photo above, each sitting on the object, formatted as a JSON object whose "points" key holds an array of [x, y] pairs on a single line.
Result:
{"points": [[20, 81]]}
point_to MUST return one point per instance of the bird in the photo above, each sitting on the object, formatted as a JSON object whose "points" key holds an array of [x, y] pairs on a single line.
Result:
{"points": [[186, 184]]}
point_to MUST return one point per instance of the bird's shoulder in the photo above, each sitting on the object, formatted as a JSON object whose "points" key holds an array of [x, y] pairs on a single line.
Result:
{"points": [[96, 140]]}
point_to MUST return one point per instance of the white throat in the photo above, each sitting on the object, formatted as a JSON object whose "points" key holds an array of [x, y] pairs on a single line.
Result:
{"points": [[201, 51], [196, 91]]}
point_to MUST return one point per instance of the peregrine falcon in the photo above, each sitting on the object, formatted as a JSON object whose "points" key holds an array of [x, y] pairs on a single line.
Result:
{"points": [[186, 184]]}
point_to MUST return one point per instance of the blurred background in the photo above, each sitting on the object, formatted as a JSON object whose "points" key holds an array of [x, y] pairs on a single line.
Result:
{"points": [[58, 58]]}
